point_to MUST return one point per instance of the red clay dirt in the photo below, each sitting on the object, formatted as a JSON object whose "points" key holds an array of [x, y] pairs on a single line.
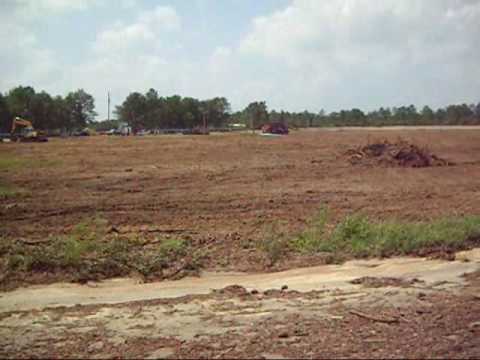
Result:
{"points": [[221, 191], [232, 324]]}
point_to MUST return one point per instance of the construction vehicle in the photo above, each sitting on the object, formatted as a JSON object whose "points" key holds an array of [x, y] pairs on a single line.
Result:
{"points": [[27, 133], [275, 128]]}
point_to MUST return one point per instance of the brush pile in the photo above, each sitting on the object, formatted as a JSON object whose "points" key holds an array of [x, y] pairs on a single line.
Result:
{"points": [[398, 154]]}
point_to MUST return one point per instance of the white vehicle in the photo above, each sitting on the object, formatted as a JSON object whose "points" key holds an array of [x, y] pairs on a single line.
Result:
{"points": [[125, 130]]}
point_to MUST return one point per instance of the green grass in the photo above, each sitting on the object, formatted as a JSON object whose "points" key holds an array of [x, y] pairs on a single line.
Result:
{"points": [[7, 163], [8, 192], [90, 252], [173, 246], [10, 162], [358, 236]]}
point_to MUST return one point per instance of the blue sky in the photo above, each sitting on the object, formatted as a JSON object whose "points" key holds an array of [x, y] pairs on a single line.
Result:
{"points": [[294, 54], [206, 24]]}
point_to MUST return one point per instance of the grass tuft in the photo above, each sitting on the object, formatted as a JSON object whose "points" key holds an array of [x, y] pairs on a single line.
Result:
{"points": [[358, 236], [173, 247], [274, 243], [7, 163], [90, 252], [10, 162], [8, 192]]}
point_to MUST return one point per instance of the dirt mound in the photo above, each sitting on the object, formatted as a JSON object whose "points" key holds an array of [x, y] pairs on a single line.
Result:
{"points": [[400, 153], [233, 290]]}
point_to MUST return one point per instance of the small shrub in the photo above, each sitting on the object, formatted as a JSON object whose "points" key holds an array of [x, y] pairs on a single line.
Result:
{"points": [[273, 243], [173, 248], [355, 235], [16, 262], [312, 239], [74, 250]]}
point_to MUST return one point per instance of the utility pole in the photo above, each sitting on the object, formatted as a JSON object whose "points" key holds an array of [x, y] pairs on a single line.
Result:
{"points": [[108, 101], [204, 123]]}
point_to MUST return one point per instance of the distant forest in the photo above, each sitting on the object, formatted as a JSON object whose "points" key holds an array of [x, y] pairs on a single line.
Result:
{"points": [[149, 111]]}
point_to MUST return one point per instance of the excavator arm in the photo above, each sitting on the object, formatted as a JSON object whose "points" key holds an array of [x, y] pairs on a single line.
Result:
{"points": [[20, 122], [28, 134]]}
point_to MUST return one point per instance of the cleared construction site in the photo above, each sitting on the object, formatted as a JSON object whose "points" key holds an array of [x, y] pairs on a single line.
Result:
{"points": [[180, 245]]}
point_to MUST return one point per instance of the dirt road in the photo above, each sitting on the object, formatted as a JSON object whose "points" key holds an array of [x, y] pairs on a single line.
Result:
{"points": [[376, 308], [317, 278]]}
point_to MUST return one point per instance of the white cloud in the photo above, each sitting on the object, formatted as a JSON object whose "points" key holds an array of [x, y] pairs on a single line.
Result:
{"points": [[133, 56], [146, 31], [23, 59], [371, 52], [309, 55], [128, 4], [33, 10]]}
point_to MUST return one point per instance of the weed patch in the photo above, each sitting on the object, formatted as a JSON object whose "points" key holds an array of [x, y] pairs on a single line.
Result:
{"points": [[9, 162], [8, 191], [90, 252], [358, 236], [274, 243]]}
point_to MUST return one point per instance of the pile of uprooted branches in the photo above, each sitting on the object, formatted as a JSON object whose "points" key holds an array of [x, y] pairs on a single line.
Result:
{"points": [[400, 153]]}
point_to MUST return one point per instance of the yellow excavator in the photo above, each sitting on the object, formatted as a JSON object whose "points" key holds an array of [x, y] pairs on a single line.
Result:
{"points": [[27, 133]]}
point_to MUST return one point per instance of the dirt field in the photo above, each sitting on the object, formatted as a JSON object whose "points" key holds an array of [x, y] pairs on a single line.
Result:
{"points": [[220, 194], [222, 190]]}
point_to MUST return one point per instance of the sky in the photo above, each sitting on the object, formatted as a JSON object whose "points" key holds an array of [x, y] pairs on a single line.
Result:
{"points": [[294, 54]]}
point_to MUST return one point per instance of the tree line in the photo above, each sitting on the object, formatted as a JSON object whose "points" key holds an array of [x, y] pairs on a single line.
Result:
{"points": [[151, 111], [76, 111], [256, 114]]}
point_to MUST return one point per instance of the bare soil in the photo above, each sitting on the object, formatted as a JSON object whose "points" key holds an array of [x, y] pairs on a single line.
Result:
{"points": [[417, 320], [221, 191]]}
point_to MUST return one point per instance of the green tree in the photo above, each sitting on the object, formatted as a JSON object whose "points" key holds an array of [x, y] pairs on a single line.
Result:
{"points": [[174, 112], [192, 112], [105, 125], [153, 107], [5, 115], [458, 114], [19, 101], [61, 116], [42, 108], [133, 110], [440, 116], [217, 111], [427, 115], [257, 114], [476, 111], [81, 108]]}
